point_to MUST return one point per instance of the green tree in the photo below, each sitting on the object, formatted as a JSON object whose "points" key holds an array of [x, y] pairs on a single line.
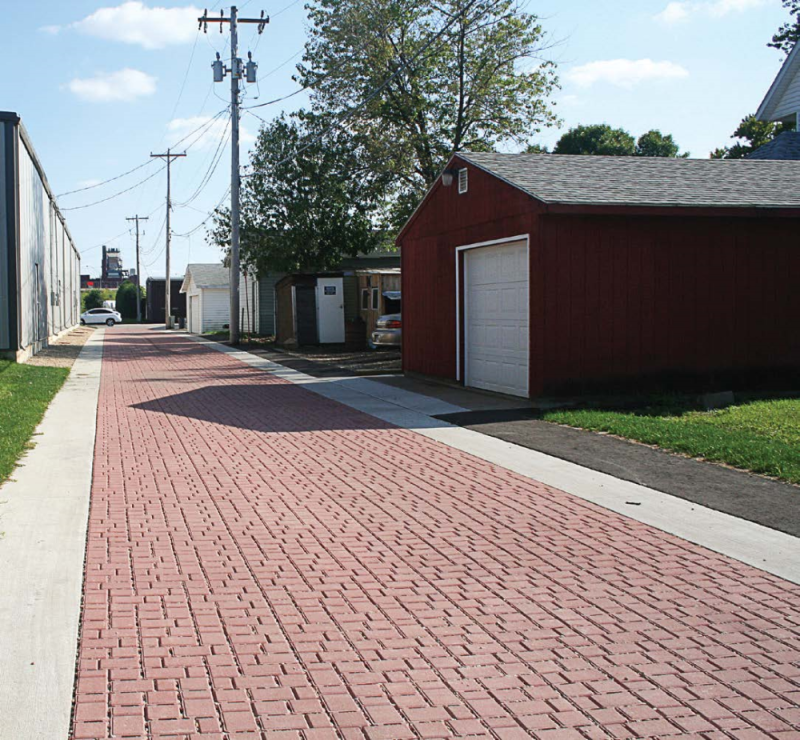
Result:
{"points": [[126, 299], [596, 139], [655, 144], [789, 33], [93, 299], [419, 92], [752, 134], [308, 202]]}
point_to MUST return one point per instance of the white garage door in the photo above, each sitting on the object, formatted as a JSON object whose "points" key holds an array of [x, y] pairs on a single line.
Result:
{"points": [[496, 318], [194, 314]]}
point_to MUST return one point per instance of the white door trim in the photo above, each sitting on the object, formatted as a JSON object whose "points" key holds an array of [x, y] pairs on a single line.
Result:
{"points": [[493, 243]]}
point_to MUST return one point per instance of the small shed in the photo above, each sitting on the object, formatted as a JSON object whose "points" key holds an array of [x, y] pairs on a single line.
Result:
{"points": [[206, 289], [155, 299], [379, 293], [310, 309], [532, 274]]}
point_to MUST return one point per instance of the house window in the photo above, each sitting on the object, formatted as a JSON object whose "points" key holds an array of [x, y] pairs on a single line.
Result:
{"points": [[375, 299], [463, 181], [365, 299]]}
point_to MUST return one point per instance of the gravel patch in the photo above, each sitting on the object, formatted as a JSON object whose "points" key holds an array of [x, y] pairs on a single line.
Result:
{"points": [[65, 350]]}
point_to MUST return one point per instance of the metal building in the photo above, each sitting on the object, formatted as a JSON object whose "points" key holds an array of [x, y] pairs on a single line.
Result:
{"points": [[39, 264]]}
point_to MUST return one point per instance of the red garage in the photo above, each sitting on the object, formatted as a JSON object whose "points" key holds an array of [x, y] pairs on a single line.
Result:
{"points": [[529, 274]]}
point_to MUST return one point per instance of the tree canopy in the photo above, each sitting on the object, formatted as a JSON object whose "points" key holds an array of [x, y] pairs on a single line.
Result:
{"points": [[308, 201], [602, 139], [437, 76], [93, 299], [751, 134], [789, 33]]}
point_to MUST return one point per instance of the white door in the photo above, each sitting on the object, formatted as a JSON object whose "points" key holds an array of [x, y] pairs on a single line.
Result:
{"points": [[496, 318], [330, 310], [194, 314]]}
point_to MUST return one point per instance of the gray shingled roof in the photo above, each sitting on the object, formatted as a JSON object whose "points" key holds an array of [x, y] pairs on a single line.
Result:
{"points": [[209, 276], [646, 181], [783, 146]]}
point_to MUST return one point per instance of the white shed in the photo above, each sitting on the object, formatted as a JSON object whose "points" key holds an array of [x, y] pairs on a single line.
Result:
{"points": [[208, 299]]}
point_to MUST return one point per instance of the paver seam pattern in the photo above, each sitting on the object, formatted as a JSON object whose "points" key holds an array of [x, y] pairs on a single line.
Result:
{"points": [[264, 562]]}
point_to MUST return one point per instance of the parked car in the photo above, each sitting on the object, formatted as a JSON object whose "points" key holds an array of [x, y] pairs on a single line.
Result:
{"points": [[107, 316], [388, 331]]}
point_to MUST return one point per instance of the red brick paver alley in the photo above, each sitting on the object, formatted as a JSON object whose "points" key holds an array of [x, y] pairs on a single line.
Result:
{"points": [[266, 563]]}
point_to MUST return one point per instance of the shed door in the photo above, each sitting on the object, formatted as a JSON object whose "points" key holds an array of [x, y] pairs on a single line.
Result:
{"points": [[306, 314], [330, 310], [496, 318], [194, 314]]}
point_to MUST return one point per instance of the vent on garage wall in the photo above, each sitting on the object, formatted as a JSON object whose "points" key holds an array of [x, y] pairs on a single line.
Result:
{"points": [[463, 181]]}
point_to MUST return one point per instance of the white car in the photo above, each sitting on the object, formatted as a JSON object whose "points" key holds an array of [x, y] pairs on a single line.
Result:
{"points": [[107, 316]]}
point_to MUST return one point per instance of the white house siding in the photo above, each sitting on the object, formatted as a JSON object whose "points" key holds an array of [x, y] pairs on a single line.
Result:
{"points": [[789, 103], [216, 309], [47, 265]]}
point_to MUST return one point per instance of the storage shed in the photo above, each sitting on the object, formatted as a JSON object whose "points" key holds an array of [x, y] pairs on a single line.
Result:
{"points": [[39, 263], [207, 295], [155, 300], [536, 274], [310, 309]]}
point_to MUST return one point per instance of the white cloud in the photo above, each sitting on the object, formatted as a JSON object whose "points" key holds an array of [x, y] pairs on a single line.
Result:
{"points": [[126, 85], [208, 136], [625, 72], [88, 183], [135, 23], [674, 13], [50, 30], [681, 10]]}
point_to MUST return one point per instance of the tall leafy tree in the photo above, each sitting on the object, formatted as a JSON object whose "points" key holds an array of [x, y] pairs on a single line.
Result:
{"points": [[417, 80], [596, 139], [751, 134], [308, 199], [789, 33], [655, 144]]}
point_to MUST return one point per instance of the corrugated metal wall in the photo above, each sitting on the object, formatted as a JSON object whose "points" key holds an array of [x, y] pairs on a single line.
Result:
{"points": [[47, 263], [7, 134]]}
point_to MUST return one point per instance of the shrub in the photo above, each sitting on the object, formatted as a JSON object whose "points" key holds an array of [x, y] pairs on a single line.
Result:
{"points": [[126, 299], [93, 299]]}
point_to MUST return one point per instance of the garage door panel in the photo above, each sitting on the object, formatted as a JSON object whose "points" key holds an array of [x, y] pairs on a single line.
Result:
{"points": [[496, 320]]}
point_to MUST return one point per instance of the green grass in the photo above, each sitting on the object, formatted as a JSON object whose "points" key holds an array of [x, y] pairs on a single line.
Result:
{"points": [[760, 436], [25, 394]]}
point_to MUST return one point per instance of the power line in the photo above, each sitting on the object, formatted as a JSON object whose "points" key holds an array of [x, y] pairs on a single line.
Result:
{"points": [[212, 168], [116, 195], [204, 125], [105, 182]]}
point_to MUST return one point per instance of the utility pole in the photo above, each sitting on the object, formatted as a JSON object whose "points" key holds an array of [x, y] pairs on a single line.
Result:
{"points": [[138, 218], [235, 70], [169, 156]]}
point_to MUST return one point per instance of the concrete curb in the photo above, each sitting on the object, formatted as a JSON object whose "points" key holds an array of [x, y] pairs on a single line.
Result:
{"points": [[44, 516], [756, 545]]}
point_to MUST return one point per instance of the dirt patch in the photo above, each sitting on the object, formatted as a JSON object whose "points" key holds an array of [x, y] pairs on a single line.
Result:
{"points": [[65, 350]]}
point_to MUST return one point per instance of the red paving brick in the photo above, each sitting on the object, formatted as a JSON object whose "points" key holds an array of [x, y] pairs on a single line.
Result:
{"points": [[266, 563]]}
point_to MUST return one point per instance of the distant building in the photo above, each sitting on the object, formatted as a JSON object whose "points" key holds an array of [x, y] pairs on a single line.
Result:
{"points": [[39, 263], [156, 299]]}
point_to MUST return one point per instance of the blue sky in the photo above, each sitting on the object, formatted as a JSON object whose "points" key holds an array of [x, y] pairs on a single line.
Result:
{"points": [[103, 86]]}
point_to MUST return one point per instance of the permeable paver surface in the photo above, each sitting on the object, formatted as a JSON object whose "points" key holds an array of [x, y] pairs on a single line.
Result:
{"points": [[266, 563]]}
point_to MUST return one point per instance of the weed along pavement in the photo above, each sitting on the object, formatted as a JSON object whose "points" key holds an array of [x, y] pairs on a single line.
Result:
{"points": [[264, 562]]}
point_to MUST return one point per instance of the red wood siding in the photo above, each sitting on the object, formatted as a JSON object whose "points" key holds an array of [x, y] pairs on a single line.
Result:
{"points": [[489, 210], [615, 298], [632, 298]]}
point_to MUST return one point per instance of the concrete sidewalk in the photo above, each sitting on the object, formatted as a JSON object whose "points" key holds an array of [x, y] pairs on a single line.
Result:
{"points": [[265, 562], [43, 518]]}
